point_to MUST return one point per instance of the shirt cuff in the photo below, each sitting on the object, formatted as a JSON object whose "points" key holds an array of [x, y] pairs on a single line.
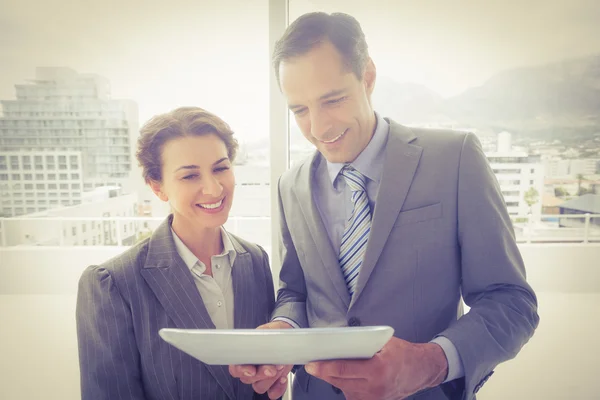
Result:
{"points": [[289, 321], [455, 366]]}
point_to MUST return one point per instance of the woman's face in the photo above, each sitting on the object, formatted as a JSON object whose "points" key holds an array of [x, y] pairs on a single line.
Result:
{"points": [[197, 181]]}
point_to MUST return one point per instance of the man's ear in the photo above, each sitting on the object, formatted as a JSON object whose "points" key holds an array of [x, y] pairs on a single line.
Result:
{"points": [[157, 189], [369, 77]]}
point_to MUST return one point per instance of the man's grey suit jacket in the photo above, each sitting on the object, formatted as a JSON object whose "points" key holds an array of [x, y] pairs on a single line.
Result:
{"points": [[440, 229], [123, 303]]}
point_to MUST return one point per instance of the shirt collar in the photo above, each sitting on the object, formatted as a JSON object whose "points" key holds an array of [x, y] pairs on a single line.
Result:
{"points": [[190, 259], [370, 161]]}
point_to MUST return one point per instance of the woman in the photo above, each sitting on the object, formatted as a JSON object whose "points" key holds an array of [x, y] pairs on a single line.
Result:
{"points": [[190, 273]]}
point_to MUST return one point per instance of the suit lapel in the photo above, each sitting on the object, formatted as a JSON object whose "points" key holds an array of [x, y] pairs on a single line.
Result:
{"points": [[173, 285], [244, 287], [318, 233], [400, 164]]}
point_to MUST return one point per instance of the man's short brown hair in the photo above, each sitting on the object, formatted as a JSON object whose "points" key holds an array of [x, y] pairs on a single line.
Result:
{"points": [[310, 30]]}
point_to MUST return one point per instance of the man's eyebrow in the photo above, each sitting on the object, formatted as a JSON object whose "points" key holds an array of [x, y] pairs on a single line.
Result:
{"points": [[333, 93]]}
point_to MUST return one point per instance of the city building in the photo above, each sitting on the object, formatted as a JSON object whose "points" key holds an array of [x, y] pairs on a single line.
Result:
{"points": [[518, 173], [62, 110], [34, 181], [580, 206], [105, 216]]}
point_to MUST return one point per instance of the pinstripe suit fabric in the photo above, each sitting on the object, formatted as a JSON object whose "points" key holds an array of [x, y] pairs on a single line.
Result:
{"points": [[122, 304]]}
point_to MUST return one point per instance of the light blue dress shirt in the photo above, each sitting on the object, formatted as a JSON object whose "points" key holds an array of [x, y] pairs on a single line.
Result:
{"points": [[330, 192]]}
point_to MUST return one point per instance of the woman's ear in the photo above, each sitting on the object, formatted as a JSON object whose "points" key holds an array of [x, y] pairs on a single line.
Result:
{"points": [[158, 190]]}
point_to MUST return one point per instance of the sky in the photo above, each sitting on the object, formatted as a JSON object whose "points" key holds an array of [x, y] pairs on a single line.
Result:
{"points": [[215, 53]]}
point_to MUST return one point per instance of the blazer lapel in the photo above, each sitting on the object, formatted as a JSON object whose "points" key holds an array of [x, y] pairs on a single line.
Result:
{"points": [[318, 233], [400, 164], [174, 287], [244, 287]]}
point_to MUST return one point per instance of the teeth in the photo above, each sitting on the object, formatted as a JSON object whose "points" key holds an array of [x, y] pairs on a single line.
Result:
{"points": [[211, 206], [335, 139]]}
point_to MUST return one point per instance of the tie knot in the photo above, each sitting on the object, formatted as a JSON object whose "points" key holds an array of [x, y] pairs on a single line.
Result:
{"points": [[354, 179]]}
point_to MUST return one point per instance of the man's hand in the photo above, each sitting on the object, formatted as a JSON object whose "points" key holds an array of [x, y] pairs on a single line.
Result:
{"points": [[399, 370], [270, 379]]}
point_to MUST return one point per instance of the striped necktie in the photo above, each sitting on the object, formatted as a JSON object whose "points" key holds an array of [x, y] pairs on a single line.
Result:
{"points": [[358, 227]]}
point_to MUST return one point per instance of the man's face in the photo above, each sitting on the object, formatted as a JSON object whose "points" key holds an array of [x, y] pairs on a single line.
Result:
{"points": [[331, 105]]}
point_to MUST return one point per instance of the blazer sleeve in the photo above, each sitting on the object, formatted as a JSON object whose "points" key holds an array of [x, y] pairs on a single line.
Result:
{"points": [[291, 296], [108, 357], [503, 307]]}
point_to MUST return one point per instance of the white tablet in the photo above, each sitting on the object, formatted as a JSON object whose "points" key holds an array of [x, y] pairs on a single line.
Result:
{"points": [[278, 346]]}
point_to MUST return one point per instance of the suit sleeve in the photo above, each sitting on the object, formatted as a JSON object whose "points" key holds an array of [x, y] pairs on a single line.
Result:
{"points": [[108, 356], [503, 307], [291, 296]]}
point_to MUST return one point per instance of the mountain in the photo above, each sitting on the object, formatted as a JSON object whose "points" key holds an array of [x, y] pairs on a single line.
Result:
{"points": [[550, 100], [407, 102]]}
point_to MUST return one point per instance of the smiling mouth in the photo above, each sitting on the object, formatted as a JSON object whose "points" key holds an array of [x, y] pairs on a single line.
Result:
{"points": [[211, 206], [335, 139]]}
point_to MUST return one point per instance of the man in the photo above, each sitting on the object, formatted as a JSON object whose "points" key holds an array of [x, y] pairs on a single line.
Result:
{"points": [[388, 225]]}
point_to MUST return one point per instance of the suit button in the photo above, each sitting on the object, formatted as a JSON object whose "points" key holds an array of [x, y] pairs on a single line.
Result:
{"points": [[354, 321], [336, 390]]}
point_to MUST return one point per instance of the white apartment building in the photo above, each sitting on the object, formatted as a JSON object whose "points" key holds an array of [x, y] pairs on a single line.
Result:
{"points": [[62, 110], [84, 224], [35, 181], [517, 172], [557, 167]]}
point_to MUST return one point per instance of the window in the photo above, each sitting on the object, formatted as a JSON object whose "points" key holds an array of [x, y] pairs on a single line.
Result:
{"points": [[29, 186], [51, 177], [40, 186], [39, 177], [74, 176]]}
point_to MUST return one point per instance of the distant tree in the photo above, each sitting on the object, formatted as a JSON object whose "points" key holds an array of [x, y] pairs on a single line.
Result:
{"points": [[580, 191], [143, 235], [583, 191], [560, 192], [531, 197]]}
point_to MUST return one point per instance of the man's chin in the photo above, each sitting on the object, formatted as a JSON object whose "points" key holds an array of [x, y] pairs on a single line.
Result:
{"points": [[336, 157]]}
